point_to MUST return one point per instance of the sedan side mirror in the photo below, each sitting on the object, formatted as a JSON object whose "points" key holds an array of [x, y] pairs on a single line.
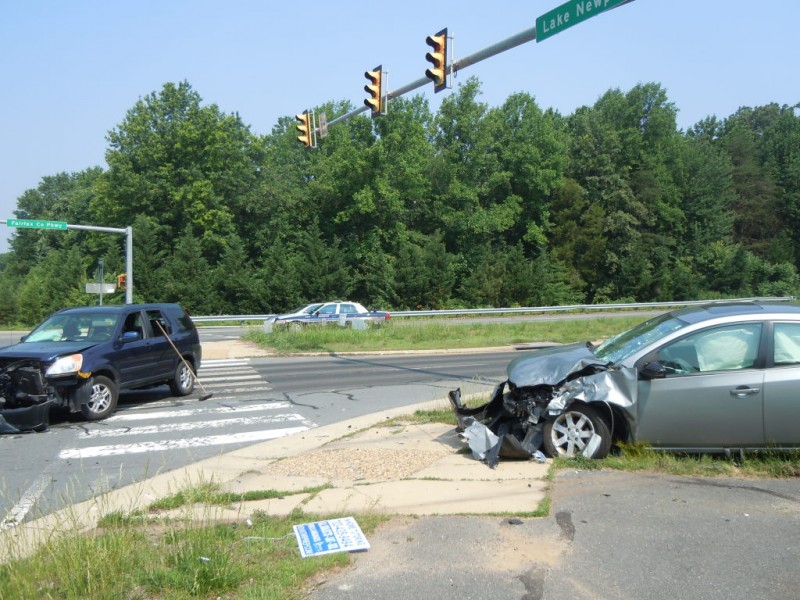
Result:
{"points": [[653, 370]]}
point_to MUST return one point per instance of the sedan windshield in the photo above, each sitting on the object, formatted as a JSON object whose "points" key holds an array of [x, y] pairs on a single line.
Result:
{"points": [[621, 346]]}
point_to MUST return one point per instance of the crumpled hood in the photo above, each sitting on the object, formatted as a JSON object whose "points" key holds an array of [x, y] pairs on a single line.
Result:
{"points": [[42, 351], [551, 366]]}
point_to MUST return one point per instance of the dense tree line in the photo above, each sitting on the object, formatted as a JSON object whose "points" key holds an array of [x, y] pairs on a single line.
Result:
{"points": [[469, 206]]}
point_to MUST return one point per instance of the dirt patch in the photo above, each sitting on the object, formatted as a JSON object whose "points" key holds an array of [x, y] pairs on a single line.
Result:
{"points": [[232, 349], [515, 549]]}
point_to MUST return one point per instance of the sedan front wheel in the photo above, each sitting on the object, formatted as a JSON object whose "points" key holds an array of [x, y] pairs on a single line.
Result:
{"points": [[573, 432]]}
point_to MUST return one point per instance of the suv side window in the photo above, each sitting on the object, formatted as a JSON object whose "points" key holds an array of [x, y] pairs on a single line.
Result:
{"points": [[158, 323], [133, 322]]}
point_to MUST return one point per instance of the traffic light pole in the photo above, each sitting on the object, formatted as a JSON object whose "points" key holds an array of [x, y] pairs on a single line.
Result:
{"points": [[61, 225], [128, 231]]}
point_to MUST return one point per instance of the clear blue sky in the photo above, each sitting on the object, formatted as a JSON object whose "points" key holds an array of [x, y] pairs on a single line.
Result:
{"points": [[72, 69]]}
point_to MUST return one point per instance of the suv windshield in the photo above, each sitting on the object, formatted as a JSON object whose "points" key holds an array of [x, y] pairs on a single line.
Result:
{"points": [[95, 327], [625, 344]]}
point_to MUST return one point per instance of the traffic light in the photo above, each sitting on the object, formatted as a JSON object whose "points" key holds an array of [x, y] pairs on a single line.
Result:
{"points": [[304, 128], [375, 90], [437, 56], [122, 281]]}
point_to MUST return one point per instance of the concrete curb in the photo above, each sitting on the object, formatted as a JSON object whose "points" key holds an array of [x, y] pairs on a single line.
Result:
{"points": [[444, 481]]}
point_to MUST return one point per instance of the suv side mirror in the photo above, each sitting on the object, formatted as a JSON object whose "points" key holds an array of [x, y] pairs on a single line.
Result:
{"points": [[653, 370], [131, 336]]}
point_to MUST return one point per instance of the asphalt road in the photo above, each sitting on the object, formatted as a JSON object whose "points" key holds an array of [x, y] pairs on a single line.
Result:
{"points": [[253, 400], [610, 536]]}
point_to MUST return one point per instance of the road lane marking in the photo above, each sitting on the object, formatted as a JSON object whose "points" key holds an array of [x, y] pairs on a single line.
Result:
{"points": [[20, 510], [167, 414], [182, 444], [173, 427]]}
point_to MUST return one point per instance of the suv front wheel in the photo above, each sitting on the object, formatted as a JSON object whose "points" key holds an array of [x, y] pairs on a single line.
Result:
{"points": [[103, 400]]}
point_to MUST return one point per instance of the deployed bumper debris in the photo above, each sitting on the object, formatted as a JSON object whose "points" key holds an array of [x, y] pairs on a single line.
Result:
{"points": [[491, 431], [24, 402]]}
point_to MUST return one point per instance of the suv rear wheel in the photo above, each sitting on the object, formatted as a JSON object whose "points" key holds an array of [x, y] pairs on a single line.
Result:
{"points": [[182, 383], [103, 400]]}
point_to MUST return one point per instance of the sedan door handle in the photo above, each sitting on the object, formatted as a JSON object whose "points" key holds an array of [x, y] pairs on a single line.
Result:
{"points": [[742, 391]]}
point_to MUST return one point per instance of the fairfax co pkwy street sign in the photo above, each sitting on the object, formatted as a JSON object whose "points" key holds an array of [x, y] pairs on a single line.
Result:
{"points": [[569, 14], [36, 224]]}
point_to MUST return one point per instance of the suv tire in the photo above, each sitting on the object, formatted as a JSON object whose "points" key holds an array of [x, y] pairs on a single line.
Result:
{"points": [[103, 400], [182, 383]]}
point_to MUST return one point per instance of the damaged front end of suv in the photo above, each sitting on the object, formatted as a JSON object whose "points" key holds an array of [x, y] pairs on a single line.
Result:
{"points": [[564, 400], [24, 398]]}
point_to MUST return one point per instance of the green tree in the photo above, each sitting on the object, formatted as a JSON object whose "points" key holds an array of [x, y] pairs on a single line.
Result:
{"points": [[182, 163]]}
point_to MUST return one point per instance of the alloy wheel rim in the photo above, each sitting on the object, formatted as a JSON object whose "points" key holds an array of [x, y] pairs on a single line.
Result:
{"points": [[571, 433]]}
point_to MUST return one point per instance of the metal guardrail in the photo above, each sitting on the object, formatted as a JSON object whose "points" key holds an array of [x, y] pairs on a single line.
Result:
{"points": [[517, 310]]}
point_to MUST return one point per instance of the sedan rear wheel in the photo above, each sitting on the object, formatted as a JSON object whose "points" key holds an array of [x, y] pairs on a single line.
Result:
{"points": [[572, 433], [103, 400]]}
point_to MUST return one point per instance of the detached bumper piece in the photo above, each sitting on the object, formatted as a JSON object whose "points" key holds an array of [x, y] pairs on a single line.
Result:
{"points": [[23, 420], [24, 402]]}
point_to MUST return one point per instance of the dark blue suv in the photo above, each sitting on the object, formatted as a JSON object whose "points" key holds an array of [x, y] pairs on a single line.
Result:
{"points": [[82, 357]]}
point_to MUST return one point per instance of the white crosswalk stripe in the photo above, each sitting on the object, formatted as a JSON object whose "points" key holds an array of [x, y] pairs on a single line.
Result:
{"points": [[248, 416], [196, 442], [231, 375]]}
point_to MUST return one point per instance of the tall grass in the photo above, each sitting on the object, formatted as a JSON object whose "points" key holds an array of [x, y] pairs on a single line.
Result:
{"points": [[172, 560]]}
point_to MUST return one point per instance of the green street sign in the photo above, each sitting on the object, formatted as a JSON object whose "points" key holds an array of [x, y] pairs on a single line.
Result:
{"points": [[36, 224], [569, 14]]}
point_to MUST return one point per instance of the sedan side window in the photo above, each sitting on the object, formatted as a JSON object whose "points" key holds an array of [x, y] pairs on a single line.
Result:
{"points": [[787, 344], [727, 348], [328, 310]]}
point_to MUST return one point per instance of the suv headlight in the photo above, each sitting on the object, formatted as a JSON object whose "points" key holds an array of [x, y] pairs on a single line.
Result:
{"points": [[66, 365]]}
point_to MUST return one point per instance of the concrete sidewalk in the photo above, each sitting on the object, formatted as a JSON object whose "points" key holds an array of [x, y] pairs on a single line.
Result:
{"points": [[365, 464]]}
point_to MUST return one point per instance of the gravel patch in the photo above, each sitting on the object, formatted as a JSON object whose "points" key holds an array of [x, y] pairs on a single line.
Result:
{"points": [[374, 464]]}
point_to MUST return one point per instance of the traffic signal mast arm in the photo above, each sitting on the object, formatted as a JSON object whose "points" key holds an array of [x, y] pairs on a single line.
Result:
{"points": [[522, 37], [456, 65]]}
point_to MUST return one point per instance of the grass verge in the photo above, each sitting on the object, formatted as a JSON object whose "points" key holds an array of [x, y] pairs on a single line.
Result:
{"points": [[427, 335], [173, 560]]}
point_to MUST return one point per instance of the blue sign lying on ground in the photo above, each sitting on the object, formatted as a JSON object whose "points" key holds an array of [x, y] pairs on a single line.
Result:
{"points": [[327, 537]]}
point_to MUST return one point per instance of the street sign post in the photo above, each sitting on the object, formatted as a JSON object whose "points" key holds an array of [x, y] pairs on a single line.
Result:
{"points": [[36, 224], [569, 14], [63, 226]]}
